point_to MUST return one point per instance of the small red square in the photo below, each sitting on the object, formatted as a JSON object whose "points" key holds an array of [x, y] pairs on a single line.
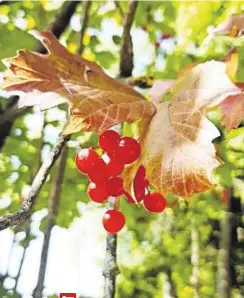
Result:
{"points": [[67, 295]]}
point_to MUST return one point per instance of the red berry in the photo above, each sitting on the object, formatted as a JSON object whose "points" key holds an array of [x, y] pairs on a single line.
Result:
{"points": [[128, 150], [155, 202], [108, 140], [139, 192], [115, 186], [113, 221], [129, 198], [99, 172], [140, 183], [97, 192], [115, 167], [85, 159]]}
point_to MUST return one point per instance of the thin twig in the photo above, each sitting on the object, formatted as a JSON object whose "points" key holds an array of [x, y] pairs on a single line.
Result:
{"points": [[20, 217], [110, 270], [84, 23], [126, 54]]}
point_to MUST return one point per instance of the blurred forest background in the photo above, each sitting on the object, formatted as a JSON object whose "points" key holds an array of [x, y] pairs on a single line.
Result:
{"points": [[193, 250]]}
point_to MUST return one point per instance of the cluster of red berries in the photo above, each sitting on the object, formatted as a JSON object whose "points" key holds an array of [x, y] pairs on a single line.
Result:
{"points": [[105, 181]]}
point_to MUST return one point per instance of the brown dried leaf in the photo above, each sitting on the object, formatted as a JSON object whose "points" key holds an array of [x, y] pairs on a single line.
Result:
{"points": [[97, 100]]}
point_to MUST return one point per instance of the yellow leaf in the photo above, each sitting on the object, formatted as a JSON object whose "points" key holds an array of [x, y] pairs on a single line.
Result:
{"points": [[30, 22], [232, 66]]}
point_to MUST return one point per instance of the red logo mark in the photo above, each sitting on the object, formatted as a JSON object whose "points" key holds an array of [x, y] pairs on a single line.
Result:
{"points": [[67, 295]]}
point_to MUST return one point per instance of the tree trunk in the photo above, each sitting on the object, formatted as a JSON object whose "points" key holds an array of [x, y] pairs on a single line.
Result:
{"points": [[51, 217]]}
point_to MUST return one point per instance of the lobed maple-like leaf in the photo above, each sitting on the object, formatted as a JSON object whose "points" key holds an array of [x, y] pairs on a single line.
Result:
{"points": [[97, 101], [178, 153]]}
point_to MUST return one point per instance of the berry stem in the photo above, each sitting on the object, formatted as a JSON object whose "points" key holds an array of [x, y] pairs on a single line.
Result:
{"points": [[116, 203]]}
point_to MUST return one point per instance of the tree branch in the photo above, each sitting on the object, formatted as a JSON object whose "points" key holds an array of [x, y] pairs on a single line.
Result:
{"points": [[110, 270], [6, 118], [54, 200], [61, 20], [126, 54], [84, 23], [8, 2], [20, 217]]}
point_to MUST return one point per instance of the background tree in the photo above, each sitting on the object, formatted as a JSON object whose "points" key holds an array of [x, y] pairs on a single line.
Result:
{"points": [[194, 249]]}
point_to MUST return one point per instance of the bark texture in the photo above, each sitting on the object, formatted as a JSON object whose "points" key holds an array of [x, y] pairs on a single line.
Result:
{"points": [[20, 217], [110, 270], [126, 54]]}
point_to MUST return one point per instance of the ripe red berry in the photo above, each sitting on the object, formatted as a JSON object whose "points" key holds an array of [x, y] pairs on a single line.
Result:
{"points": [[155, 202], [98, 192], [139, 192], [140, 183], [128, 150], [115, 186], [99, 172], [115, 166], [113, 221], [108, 140], [85, 159]]}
